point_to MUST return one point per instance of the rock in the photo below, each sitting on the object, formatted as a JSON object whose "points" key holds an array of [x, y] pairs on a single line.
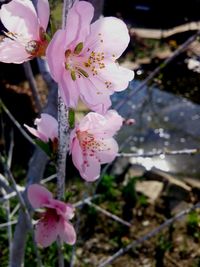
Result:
{"points": [[194, 183], [158, 175], [151, 189]]}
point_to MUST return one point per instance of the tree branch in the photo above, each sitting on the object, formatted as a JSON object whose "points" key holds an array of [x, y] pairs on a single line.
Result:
{"points": [[148, 235]]}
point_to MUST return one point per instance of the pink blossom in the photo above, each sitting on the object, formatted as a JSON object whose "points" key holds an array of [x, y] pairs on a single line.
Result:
{"points": [[26, 27], [82, 58], [92, 143], [55, 220], [47, 128]]}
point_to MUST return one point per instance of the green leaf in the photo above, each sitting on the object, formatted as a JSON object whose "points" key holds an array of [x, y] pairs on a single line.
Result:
{"points": [[52, 26], [44, 146], [71, 118]]}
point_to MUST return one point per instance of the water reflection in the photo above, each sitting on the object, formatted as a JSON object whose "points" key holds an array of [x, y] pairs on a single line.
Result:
{"points": [[163, 120]]}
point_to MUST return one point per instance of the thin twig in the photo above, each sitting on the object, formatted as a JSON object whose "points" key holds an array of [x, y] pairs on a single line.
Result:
{"points": [[63, 140], [148, 235], [35, 172], [16, 123], [4, 184], [185, 151], [177, 52], [10, 152], [23, 206], [9, 228], [31, 79], [14, 210], [107, 213], [2, 225]]}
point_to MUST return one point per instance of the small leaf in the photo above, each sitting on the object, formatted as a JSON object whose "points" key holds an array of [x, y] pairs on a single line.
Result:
{"points": [[71, 118], [52, 26], [44, 146]]}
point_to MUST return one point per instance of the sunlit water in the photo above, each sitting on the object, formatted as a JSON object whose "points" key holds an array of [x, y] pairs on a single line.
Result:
{"points": [[163, 121]]}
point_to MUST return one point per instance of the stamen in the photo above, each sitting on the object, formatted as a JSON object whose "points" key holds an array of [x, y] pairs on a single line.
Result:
{"points": [[73, 75], [83, 72], [78, 48]]}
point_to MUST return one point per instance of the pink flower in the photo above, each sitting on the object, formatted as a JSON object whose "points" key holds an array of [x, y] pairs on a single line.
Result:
{"points": [[26, 27], [55, 220], [47, 128], [82, 58], [92, 143]]}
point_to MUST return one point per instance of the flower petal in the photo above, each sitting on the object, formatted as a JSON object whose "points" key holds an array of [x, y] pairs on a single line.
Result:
{"points": [[109, 35], [12, 52], [77, 156], [118, 76], [20, 17], [67, 232], [69, 90], [95, 98], [56, 55], [38, 195], [47, 125], [61, 208], [108, 125], [34, 132], [78, 22], [108, 155], [91, 170], [46, 230], [43, 12]]}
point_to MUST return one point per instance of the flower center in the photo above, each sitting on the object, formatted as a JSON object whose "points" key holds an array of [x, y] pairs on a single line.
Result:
{"points": [[90, 145], [73, 62]]}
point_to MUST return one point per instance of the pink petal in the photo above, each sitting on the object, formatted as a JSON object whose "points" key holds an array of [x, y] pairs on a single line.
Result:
{"points": [[96, 98], [46, 230], [34, 132], [12, 52], [108, 155], [47, 126], [78, 22], [67, 232], [43, 12], [61, 208], [20, 17], [91, 172], [56, 55], [118, 76], [77, 156], [110, 124], [38, 195], [69, 90], [114, 34]]}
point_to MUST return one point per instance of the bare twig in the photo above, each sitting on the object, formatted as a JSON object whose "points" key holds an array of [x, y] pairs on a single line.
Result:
{"points": [[4, 184], [177, 52], [149, 235], [10, 152], [2, 225], [33, 85], [186, 151], [35, 173], [107, 213], [14, 210], [63, 139], [16, 123], [23, 206], [9, 228]]}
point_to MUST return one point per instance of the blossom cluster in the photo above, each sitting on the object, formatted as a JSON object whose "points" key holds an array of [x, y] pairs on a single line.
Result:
{"points": [[82, 60]]}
